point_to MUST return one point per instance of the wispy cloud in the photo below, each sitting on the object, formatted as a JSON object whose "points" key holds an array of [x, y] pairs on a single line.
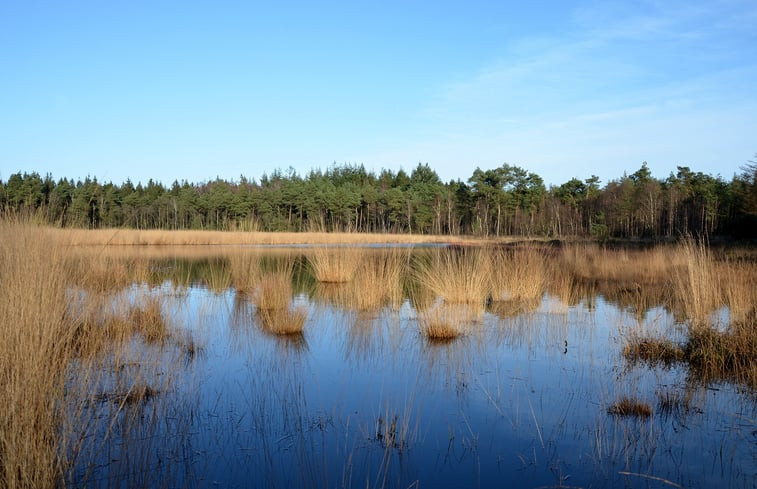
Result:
{"points": [[655, 81]]}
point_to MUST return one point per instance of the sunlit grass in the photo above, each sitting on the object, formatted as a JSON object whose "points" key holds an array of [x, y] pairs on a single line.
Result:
{"points": [[335, 265], [518, 274], [457, 276]]}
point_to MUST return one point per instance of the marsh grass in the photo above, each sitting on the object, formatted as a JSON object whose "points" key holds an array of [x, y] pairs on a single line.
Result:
{"points": [[32, 357], [697, 284], [518, 274], [712, 351], [710, 354], [269, 286], [653, 351], [726, 355], [217, 276], [592, 263], [245, 271], [134, 237], [513, 308], [445, 321], [378, 280], [739, 288], [335, 265], [457, 276], [58, 350], [288, 321], [627, 406]]}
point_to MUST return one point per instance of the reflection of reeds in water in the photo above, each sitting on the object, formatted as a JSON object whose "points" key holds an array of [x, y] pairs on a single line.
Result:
{"points": [[280, 326], [446, 321], [518, 274], [334, 294], [459, 281], [335, 265], [449, 362], [217, 276], [513, 308], [101, 320], [245, 271], [105, 273], [283, 321], [546, 332], [368, 337]]}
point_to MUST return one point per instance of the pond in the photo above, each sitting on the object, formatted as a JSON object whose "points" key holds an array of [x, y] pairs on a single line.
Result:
{"points": [[524, 397]]}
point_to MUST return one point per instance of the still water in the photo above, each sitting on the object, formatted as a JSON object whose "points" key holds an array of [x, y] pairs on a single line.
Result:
{"points": [[363, 398]]}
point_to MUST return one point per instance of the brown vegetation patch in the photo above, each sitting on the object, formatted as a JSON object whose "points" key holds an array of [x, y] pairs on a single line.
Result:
{"points": [[447, 321], [335, 265], [727, 355], [627, 406], [518, 274], [456, 276], [653, 351], [283, 321], [709, 353]]}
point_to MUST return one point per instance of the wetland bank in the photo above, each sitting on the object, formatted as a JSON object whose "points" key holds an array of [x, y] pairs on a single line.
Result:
{"points": [[529, 365]]}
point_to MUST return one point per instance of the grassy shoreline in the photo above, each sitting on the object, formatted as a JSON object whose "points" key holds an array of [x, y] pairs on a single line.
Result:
{"points": [[133, 237]]}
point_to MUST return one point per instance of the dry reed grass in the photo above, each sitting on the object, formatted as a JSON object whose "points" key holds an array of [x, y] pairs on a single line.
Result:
{"points": [[33, 357], [518, 274], [445, 321], [54, 320], [335, 265], [712, 351], [652, 351], [627, 406], [457, 276], [268, 284], [739, 288], [133, 237], [697, 284], [288, 321], [245, 271], [378, 281], [624, 266]]}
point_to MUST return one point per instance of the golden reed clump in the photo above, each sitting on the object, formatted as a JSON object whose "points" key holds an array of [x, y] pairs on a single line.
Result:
{"points": [[268, 284], [458, 279], [518, 274], [335, 265], [54, 317], [34, 354]]}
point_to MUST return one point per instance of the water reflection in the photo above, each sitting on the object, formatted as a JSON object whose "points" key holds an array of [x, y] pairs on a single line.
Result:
{"points": [[363, 393]]}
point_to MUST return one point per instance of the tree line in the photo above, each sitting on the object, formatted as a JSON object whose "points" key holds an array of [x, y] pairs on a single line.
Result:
{"points": [[507, 200]]}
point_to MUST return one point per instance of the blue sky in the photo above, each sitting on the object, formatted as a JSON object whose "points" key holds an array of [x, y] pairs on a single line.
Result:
{"points": [[195, 90]]}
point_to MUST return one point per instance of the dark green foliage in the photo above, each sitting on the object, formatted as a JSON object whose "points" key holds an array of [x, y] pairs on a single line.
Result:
{"points": [[506, 200]]}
